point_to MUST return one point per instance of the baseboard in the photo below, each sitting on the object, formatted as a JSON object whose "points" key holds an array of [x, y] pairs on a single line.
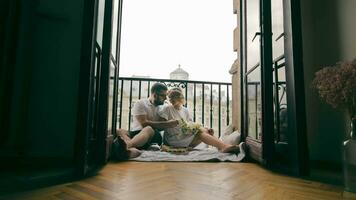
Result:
{"points": [[349, 195], [33, 179], [19, 173], [18, 162], [327, 165], [326, 172]]}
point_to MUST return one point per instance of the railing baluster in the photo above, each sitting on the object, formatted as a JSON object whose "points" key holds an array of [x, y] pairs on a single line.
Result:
{"points": [[121, 95], [115, 96], [117, 57], [130, 105], [194, 101], [148, 88], [139, 89], [202, 105], [219, 110], [276, 100], [227, 105], [186, 94], [256, 107], [211, 105]]}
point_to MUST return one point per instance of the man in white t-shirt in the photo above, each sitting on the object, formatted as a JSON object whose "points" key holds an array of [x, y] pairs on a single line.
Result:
{"points": [[146, 125]]}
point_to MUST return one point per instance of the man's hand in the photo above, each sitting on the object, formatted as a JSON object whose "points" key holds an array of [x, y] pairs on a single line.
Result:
{"points": [[173, 123]]}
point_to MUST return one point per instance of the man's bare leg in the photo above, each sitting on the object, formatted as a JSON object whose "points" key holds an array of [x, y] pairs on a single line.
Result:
{"points": [[124, 134], [131, 151], [141, 138]]}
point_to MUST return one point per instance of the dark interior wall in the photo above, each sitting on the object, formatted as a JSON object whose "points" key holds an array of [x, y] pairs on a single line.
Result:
{"points": [[44, 102], [347, 29], [325, 23]]}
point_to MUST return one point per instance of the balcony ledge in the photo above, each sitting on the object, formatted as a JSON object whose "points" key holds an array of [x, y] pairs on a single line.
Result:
{"points": [[235, 67]]}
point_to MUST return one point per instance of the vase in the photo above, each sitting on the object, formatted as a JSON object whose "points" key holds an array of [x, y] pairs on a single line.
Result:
{"points": [[349, 159]]}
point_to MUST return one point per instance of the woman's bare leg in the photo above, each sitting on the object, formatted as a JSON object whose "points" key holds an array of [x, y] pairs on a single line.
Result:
{"points": [[211, 140], [196, 141]]}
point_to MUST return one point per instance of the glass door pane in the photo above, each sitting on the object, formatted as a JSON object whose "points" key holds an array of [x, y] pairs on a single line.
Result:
{"points": [[115, 28], [113, 69], [100, 22], [279, 84], [253, 70], [254, 100], [97, 64], [277, 28], [253, 30]]}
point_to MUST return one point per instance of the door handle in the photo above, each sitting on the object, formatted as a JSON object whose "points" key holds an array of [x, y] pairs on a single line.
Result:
{"points": [[280, 36], [256, 34]]}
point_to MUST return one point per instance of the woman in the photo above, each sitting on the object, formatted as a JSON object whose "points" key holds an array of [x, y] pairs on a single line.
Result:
{"points": [[177, 136]]}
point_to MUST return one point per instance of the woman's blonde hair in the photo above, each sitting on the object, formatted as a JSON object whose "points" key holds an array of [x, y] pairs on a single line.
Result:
{"points": [[176, 95]]}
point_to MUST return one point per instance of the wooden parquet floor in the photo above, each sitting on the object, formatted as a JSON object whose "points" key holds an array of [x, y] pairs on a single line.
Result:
{"points": [[169, 180]]}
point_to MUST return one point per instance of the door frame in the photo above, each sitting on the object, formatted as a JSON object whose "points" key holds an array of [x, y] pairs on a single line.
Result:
{"points": [[295, 86], [264, 151], [84, 117], [267, 82]]}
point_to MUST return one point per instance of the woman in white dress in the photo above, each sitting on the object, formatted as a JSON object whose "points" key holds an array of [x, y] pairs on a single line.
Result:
{"points": [[176, 137]]}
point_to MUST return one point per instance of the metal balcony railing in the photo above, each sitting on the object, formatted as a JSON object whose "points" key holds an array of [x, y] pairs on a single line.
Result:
{"points": [[209, 103], [254, 101]]}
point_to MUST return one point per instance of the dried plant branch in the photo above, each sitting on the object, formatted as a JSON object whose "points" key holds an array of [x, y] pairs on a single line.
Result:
{"points": [[337, 86]]}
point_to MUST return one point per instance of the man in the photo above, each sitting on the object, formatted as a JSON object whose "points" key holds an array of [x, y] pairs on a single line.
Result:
{"points": [[146, 125]]}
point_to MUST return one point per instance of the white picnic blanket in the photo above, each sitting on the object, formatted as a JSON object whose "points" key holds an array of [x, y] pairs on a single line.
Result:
{"points": [[196, 155]]}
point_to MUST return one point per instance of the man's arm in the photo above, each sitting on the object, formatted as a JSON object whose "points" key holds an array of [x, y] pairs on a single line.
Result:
{"points": [[142, 119]]}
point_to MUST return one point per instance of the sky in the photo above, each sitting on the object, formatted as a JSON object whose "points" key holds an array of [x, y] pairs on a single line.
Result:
{"points": [[158, 35]]}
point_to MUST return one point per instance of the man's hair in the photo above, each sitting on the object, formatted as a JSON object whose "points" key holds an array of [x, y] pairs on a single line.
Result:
{"points": [[157, 87]]}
